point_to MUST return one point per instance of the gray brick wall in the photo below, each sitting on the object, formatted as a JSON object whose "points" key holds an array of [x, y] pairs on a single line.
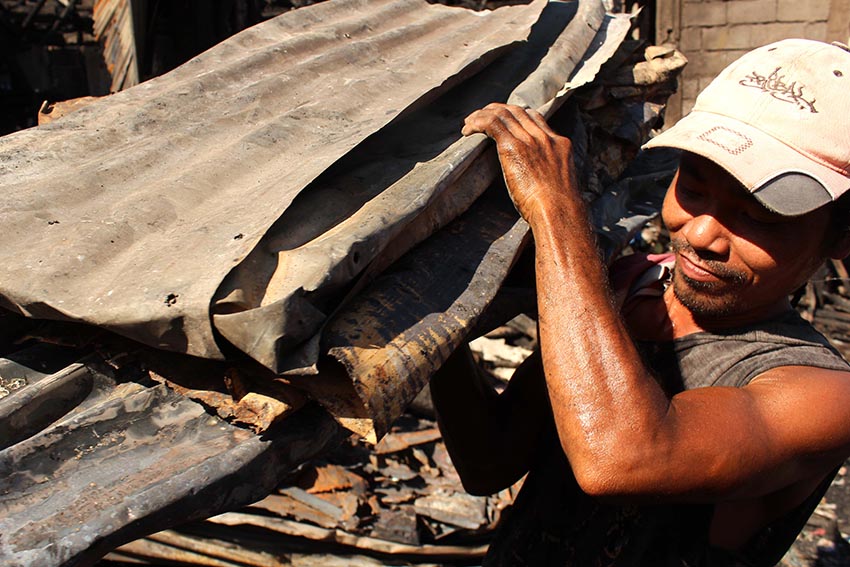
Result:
{"points": [[712, 33]]}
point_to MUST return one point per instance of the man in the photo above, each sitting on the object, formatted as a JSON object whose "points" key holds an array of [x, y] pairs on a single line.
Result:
{"points": [[703, 427]]}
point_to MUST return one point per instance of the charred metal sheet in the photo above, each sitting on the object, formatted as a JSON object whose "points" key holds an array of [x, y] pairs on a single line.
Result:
{"points": [[394, 190], [129, 213], [116, 459], [400, 330], [387, 195]]}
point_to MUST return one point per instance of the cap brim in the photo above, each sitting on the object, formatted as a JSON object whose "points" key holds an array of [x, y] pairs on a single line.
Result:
{"points": [[779, 176]]}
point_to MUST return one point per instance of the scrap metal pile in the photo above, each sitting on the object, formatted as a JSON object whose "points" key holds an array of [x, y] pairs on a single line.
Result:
{"points": [[361, 505], [400, 501], [221, 272]]}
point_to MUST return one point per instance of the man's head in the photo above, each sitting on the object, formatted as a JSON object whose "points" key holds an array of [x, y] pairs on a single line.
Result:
{"points": [[752, 211], [775, 120], [736, 259]]}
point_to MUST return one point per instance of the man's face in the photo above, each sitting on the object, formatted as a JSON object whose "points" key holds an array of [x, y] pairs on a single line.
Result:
{"points": [[735, 259]]}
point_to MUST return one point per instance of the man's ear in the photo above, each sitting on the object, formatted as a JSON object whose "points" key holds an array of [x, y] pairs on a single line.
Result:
{"points": [[840, 248]]}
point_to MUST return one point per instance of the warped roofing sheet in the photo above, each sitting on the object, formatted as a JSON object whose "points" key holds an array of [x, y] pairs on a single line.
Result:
{"points": [[388, 194], [129, 213]]}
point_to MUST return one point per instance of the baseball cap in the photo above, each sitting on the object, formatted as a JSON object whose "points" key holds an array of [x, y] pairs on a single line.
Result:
{"points": [[776, 119]]}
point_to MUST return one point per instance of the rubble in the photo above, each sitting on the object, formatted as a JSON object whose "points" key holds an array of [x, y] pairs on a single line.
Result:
{"points": [[402, 501]]}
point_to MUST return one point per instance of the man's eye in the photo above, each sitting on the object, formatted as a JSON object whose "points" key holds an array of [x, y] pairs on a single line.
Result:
{"points": [[687, 192], [764, 218]]}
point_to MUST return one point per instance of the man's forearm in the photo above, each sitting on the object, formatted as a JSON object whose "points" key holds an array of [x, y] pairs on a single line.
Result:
{"points": [[606, 405], [604, 400]]}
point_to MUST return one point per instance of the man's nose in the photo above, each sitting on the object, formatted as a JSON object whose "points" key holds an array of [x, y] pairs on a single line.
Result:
{"points": [[706, 233]]}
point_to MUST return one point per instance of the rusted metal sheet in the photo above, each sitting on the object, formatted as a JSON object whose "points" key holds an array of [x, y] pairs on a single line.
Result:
{"points": [[394, 442], [330, 478], [129, 213], [294, 501]]}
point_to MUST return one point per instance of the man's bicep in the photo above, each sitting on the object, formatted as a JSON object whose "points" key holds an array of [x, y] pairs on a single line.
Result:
{"points": [[789, 424], [807, 411]]}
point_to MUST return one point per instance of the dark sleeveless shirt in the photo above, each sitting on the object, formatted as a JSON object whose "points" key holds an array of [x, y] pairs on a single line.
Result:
{"points": [[554, 523]]}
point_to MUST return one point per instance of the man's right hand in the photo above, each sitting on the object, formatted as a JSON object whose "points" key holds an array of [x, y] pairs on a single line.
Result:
{"points": [[536, 162]]}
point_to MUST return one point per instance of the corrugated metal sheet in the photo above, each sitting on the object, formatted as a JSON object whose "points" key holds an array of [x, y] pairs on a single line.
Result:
{"points": [[129, 213], [108, 456], [392, 192]]}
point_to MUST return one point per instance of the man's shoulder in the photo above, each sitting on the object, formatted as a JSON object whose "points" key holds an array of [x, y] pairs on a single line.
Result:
{"points": [[735, 357]]}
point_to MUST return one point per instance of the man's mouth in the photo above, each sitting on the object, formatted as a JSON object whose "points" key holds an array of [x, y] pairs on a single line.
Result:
{"points": [[695, 271], [703, 271]]}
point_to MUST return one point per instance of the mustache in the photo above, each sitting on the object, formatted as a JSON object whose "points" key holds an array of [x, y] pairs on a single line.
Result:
{"points": [[718, 268]]}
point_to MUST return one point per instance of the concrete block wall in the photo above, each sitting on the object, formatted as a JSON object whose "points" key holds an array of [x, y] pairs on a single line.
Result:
{"points": [[713, 33]]}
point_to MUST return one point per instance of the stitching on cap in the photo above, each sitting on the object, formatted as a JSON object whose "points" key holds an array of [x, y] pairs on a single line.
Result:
{"points": [[845, 171], [745, 145]]}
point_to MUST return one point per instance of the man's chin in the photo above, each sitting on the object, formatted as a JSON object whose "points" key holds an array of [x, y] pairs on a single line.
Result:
{"points": [[704, 300]]}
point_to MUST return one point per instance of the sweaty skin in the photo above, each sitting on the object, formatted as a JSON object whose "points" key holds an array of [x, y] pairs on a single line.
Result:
{"points": [[756, 452]]}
